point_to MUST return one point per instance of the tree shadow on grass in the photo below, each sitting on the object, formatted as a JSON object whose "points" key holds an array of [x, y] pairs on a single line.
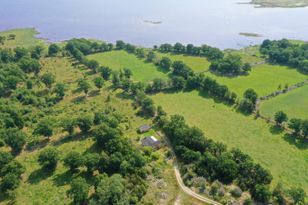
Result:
{"points": [[39, 175], [124, 96], [276, 130], [40, 145], [68, 138], [79, 100], [94, 93], [298, 142], [63, 179], [90, 72]]}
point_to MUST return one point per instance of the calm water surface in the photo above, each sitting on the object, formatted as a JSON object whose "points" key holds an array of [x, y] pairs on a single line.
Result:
{"points": [[214, 22]]}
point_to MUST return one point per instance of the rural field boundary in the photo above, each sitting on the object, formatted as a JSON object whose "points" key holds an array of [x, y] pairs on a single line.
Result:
{"points": [[280, 92]]}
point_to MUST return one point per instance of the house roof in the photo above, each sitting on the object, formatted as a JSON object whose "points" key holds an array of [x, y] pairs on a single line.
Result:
{"points": [[144, 127]]}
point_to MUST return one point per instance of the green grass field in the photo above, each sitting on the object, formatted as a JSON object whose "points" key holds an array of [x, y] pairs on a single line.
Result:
{"points": [[264, 79], [294, 103], [117, 60], [198, 64], [24, 37], [286, 161]]}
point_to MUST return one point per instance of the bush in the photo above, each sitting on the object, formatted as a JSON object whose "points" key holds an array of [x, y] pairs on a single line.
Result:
{"points": [[48, 159], [73, 160], [9, 182], [236, 192]]}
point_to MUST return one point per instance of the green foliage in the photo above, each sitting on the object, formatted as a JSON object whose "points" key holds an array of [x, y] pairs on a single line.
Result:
{"points": [[84, 85], [111, 190], [165, 63], [210, 159], [280, 117], [48, 79], [85, 123], [60, 89], [98, 82], [44, 128], [298, 195], [53, 49], [79, 191], [261, 193], [74, 160], [48, 159], [9, 182], [286, 53], [29, 65], [16, 139]]}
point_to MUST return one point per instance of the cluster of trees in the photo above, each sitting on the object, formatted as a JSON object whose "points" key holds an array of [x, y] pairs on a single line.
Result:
{"points": [[14, 65], [299, 126], [213, 161], [120, 173], [10, 172], [79, 48], [286, 53], [231, 64], [248, 103], [209, 52]]}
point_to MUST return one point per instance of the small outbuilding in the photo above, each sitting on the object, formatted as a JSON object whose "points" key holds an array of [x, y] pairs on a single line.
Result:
{"points": [[144, 128], [151, 142]]}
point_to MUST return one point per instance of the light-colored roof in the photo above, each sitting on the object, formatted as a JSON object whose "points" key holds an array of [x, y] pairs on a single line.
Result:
{"points": [[153, 138]]}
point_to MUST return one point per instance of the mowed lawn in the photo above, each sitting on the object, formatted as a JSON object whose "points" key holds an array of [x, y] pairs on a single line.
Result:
{"points": [[287, 162], [116, 60], [264, 79], [198, 64], [24, 37], [294, 103]]}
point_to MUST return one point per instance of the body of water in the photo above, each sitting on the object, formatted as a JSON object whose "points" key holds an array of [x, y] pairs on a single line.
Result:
{"points": [[213, 22]]}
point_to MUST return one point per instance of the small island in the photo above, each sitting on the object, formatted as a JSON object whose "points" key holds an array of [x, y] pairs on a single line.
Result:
{"points": [[152, 22], [250, 34], [280, 3]]}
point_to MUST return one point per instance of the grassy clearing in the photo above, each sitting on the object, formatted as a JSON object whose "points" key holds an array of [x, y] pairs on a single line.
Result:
{"points": [[264, 79], [24, 37], [293, 103], [142, 71], [286, 161], [198, 64]]}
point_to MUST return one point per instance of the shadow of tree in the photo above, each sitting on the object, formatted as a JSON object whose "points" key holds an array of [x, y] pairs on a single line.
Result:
{"points": [[39, 175], [63, 179], [94, 93], [79, 100], [276, 130], [68, 138], [298, 142], [40, 145]]}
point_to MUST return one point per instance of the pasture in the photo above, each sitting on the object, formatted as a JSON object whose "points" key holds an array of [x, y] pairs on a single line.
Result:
{"points": [[116, 60], [293, 103], [197, 64], [286, 160], [264, 79]]}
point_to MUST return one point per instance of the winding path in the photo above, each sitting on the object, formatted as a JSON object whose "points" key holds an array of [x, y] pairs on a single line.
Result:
{"points": [[185, 189], [191, 192]]}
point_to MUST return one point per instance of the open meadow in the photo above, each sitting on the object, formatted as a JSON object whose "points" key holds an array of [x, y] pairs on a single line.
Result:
{"points": [[116, 60], [286, 161], [293, 103]]}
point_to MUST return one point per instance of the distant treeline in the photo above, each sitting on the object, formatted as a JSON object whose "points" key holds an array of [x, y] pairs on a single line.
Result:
{"points": [[230, 64], [286, 53]]}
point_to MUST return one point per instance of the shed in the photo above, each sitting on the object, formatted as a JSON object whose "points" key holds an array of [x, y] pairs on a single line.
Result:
{"points": [[144, 128], [151, 142]]}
